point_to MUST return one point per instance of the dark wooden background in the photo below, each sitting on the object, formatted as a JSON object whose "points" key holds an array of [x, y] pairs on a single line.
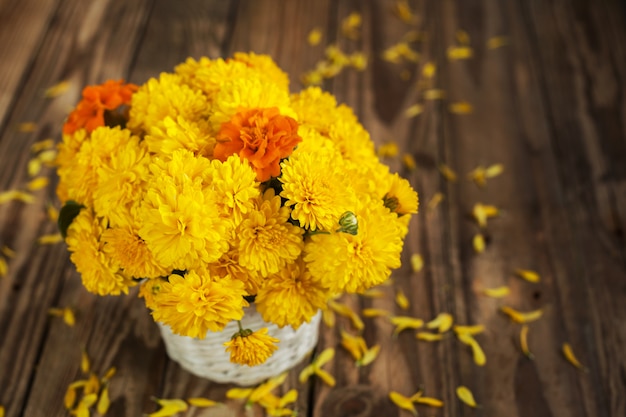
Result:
{"points": [[550, 105]]}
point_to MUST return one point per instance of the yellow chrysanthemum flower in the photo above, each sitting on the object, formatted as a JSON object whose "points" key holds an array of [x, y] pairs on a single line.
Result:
{"points": [[124, 245], [148, 289], [315, 108], [209, 76], [121, 182], [344, 262], [167, 96], [248, 93], [229, 264], [189, 69], [264, 65], [351, 138], [235, 187], [399, 196], [267, 241], [316, 186], [194, 304], [99, 272], [181, 220], [251, 348], [178, 133], [66, 155], [291, 297], [80, 175]]}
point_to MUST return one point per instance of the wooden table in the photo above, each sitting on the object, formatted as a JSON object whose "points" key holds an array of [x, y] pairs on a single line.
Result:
{"points": [[546, 84]]}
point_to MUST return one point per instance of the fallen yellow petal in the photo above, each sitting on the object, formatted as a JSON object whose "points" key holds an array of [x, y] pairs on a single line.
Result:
{"points": [[326, 377], [8, 252], [27, 127], [447, 172], [104, 402], [473, 330], [443, 322], [478, 176], [324, 357], [1, 411], [402, 402], [34, 167], [429, 337], [350, 26], [48, 156], [494, 170], [433, 402], [429, 69], [42, 145], [405, 322], [355, 345], [435, 200], [68, 317], [460, 107], [50, 239], [238, 393], [306, 373], [478, 242], [497, 292], [520, 317], [109, 374], [403, 11], [462, 37], [466, 396], [479, 355], [18, 195], [314, 37], [169, 407], [346, 311], [369, 356], [409, 161], [459, 52], [497, 42], [528, 275], [402, 300], [413, 111], [328, 317], [85, 364], [265, 388], [37, 183], [4, 267], [70, 397], [374, 312], [93, 384], [523, 340], [373, 293], [201, 402], [434, 94], [53, 213], [571, 358], [388, 150], [417, 262], [57, 89]]}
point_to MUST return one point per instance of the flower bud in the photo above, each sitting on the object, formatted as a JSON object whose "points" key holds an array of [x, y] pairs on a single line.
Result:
{"points": [[348, 223]]}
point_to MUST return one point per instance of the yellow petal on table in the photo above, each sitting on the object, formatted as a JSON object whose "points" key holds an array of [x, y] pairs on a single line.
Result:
{"points": [[27, 127], [479, 355], [443, 322], [109, 374], [8, 252], [482, 212], [57, 89], [314, 367], [460, 107], [519, 317], [239, 393], [326, 377], [169, 407], [402, 402], [462, 37], [417, 395], [433, 402], [417, 262], [374, 312], [4, 267], [34, 167], [346, 311], [314, 37], [434, 94], [387, 150], [368, 356], [401, 300], [53, 213], [355, 345], [429, 337], [405, 322], [571, 358], [494, 170], [85, 363], [473, 330], [409, 161], [466, 396], [373, 293], [402, 9], [528, 275], [413, 110], [1, 411], [497, 42], [93, 384], [47, 157], [497, 292], [459, 52], [478, 243], [18, 195], [523, 341], [267, 387], [358, 61], [70, 394], [201, 402], [435, 200], [37, 183], [328, 317], [350, 26], [447, 172], [429, 69], [478, 175], [42, 145], [50, 239], [104, 402]]}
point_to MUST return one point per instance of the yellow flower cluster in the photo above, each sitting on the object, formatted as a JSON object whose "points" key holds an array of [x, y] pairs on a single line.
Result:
{"points": [[213, 186]]}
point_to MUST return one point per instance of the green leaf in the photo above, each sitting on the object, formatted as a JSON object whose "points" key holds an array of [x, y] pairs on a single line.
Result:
{"points": [[67, 214]]}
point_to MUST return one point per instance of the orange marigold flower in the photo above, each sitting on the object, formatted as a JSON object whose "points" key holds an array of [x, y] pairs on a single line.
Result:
{"points": [[89, 112], [261, 136]]}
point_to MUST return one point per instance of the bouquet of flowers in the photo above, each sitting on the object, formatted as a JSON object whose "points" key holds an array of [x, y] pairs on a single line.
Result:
{"points": [[213, 187]]}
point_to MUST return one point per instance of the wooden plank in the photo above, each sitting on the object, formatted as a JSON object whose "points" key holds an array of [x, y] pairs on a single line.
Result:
{"points": [[23, 25], [34, 377]]}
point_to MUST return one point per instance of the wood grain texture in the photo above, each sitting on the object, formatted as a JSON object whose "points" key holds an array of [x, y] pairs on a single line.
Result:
{"points": [[549, 105]]}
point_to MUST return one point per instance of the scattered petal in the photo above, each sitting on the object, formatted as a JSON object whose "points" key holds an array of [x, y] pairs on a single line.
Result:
{"points": [[85, 364], [402, 300], [104, 402], [169, 407], [447, 172], [68, 317], [373, 293], [402, 9], [328, 317], [520, 317], [459, 52], [402, 402], [497, 292], [443, 322], [497, 42], [388, 150], [37, 183], [473, 330], [326, 377], [413, 111], [462, 37], [355, 345], [435, 200], [8, 252], [523, 340], [494, 170], [460, 107], [239, 393], [314, 37], [57, 89], [27, 127], [374, 312], [479, 355], [48, 156], [42, 145], [109, 374], [466, 396], [201, 402], [417, 262], [434, 94], [429, 337], [528, 275], [4, 267], [34, 167], [405, 322], [50, 239], [368, 356], [433, 402], [358, 60], [478, 242], [409, 161], [478, 175], [429, 69], [571, 358], [53, 213], [346, 311], [18, 195], [350, 26]]}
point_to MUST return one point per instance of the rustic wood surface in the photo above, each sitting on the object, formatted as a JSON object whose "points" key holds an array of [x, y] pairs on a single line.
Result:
{"points": [[549, 105]]}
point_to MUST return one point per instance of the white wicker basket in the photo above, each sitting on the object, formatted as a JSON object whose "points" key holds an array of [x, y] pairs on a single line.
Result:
{"points": [[207, 358]]}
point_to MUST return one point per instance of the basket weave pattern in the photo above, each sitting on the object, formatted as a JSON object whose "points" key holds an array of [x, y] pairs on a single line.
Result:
{"points": [[207, 357]]}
